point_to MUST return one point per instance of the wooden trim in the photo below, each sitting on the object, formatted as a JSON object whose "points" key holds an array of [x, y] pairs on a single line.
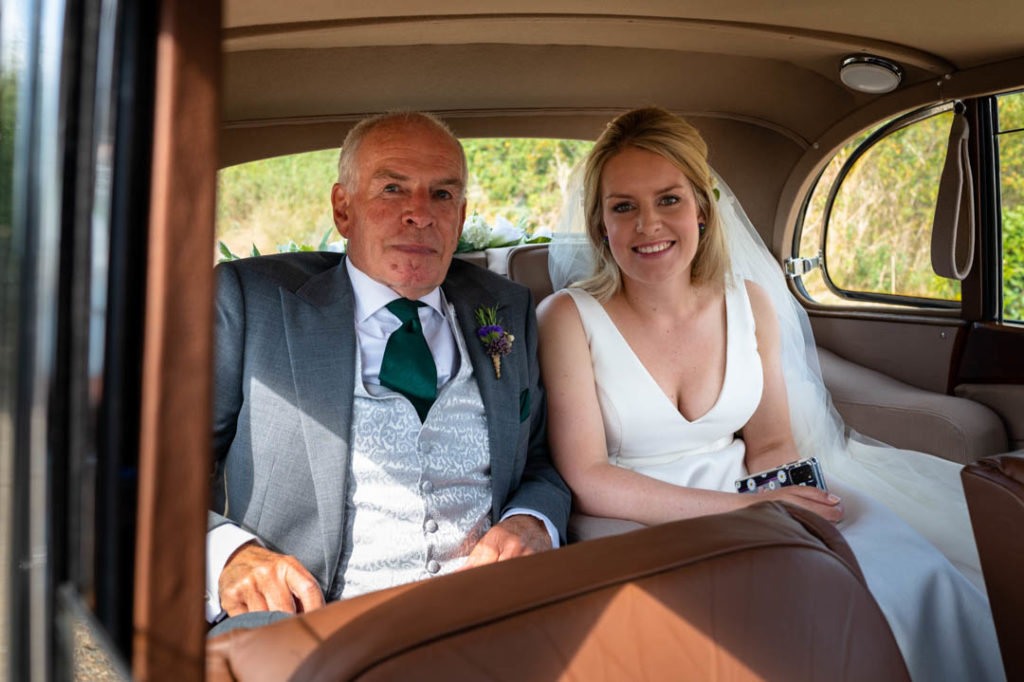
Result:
{"points": [[993, 354], [169, 627]]}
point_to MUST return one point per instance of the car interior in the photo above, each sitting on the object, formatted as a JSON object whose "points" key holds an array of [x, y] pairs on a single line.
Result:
{"points": [[244, 80]]}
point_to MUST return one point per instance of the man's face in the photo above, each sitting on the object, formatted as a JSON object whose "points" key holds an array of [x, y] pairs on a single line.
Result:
{"points": [[404, 216]]}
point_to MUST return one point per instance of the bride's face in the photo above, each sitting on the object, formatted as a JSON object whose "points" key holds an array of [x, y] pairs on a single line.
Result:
{"points": [[651, 216]]}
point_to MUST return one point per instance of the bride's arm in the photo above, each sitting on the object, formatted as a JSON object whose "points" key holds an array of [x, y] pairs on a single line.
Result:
{"points": [[576, 435], [768, 434]]}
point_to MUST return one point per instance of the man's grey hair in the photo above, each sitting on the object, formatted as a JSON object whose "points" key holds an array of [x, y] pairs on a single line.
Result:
{"points": [[347, 169]]}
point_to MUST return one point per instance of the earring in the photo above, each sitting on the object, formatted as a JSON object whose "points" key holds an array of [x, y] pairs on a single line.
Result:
{"points": [[701, 227], [605, 239]]}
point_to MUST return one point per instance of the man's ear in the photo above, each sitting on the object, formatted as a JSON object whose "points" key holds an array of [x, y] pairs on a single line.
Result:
{"points": [[341, 209], [462, 218]]}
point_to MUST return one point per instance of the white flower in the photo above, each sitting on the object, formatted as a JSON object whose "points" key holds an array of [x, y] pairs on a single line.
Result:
{"points": [[542, 232], [504, 233], [476, 231]]}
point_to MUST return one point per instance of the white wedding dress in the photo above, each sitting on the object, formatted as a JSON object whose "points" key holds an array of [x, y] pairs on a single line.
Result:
{"points": [[941, 620]]}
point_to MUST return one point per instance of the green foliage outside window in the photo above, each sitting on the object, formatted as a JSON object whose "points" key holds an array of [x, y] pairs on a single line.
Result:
{"points": [[276, 201], [879, 233], [1013, 264], [521, 179], [1011, 181]]}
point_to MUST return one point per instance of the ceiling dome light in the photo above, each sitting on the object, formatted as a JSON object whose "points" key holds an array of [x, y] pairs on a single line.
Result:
{"points": [[867, 73]]}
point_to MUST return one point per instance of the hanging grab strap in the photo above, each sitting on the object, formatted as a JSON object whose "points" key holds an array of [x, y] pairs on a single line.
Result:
{"points": [[953, 228]]}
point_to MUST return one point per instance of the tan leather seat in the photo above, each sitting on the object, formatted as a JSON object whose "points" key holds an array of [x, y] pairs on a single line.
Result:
{"points": [[478, 258], [905, 416], [767, 592], [994, 487], [528, 265]]}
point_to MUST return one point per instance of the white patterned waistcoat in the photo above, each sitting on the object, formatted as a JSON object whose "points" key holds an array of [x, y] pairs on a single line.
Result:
{"points": [[419, 495]]}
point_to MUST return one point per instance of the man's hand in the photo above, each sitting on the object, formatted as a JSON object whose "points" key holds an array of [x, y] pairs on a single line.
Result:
{"points": [[256, 579], [518, 535]]}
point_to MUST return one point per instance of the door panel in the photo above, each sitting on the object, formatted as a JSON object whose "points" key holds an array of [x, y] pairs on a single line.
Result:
{"points": [[991, 372], [919, 353]]}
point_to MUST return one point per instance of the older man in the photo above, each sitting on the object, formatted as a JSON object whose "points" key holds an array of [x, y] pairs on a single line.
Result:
{"points": [[365, 433]]}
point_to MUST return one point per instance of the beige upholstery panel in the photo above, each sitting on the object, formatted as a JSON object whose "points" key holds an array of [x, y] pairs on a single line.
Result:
{"points": [[915, 352], [497, 259], [1007, 400], [475, 257], [348, 80], [908, 417]]}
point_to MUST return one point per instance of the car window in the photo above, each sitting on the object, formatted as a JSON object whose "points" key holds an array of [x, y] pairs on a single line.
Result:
{"points": [[875, 203], [1010, 136], [514, 194], [274, 202], [813, 223]]}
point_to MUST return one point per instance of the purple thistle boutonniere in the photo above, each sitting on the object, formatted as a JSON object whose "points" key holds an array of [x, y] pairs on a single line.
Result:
{"points": [[496, 340]]}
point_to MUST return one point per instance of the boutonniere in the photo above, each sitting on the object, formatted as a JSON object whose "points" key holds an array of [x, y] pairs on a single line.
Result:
{"points": [[496, 340]]}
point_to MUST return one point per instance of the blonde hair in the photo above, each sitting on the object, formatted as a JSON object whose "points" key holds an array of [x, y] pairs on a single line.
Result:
{"points": [[655, 130]]}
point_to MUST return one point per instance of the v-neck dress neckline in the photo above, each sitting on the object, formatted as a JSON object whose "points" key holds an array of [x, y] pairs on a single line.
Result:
{"points": [[644, 428]]}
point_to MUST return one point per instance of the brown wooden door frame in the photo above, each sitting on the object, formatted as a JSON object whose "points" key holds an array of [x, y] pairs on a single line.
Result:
{"points": [[174, 447]]}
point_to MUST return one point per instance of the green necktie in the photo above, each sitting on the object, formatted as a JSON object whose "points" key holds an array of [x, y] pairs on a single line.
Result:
{"points": [[408, 366]]}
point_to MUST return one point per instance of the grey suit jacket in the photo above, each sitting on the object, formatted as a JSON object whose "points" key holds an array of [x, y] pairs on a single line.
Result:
{"points": [[284, 387]]}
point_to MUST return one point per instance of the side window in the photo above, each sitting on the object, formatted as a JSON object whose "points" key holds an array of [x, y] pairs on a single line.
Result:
{"points": [[264, 206], [870, 217], [1010, 136]]}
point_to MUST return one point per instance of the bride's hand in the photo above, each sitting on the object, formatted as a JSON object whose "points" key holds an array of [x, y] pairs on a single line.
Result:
{"points": [[824, 504]]}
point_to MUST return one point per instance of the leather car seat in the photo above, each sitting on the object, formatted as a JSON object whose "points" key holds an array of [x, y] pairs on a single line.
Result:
{"points": [[766, 592], [994, 487]]}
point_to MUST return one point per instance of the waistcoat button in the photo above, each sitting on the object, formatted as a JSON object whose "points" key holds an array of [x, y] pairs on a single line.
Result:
{"points": [[430, 526], [427, 487], [433, 566]]}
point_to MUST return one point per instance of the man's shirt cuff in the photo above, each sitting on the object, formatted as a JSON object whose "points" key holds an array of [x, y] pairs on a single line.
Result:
{"points": [[221, 543], [548, 526]]}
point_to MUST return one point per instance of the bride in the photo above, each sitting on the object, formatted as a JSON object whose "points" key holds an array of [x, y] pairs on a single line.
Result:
{"points": [[682, 334]]}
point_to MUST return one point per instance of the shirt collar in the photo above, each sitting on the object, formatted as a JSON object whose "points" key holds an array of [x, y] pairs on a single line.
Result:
{"points": [[371, 295]]}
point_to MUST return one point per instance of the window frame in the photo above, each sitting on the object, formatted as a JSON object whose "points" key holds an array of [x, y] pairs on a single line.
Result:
{"points": [[889, 128], [992, 212]]}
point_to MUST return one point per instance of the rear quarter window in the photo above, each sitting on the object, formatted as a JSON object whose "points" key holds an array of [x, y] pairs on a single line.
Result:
{"points": [[870, 217]]}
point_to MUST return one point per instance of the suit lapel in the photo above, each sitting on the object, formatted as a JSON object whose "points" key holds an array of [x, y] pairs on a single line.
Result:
{"points": [[319, 324], [500, 396]]}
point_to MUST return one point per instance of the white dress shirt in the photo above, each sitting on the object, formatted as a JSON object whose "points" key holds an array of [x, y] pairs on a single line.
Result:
{"points": [[374, 323]]}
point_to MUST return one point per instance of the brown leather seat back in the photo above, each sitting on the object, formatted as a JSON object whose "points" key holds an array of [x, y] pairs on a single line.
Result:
{"points": [[994, 487], [528, 265], [768, 592]]}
